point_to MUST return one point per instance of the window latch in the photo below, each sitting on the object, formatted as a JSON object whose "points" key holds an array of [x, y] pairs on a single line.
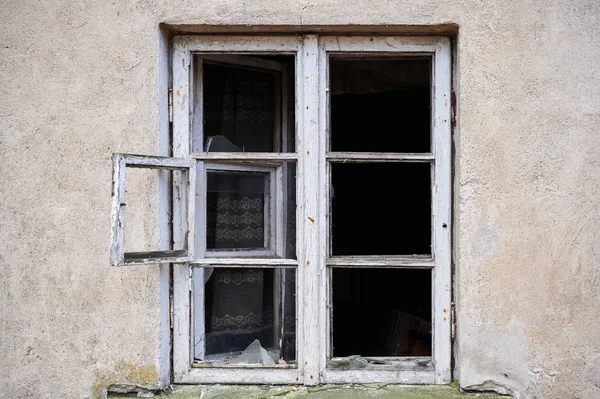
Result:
{"points": [[170, 105]]}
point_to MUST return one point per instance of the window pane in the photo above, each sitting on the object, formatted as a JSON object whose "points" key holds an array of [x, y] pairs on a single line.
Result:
{"points": [[246, 104], [380, 105], [249, 316], [381, 312], [237, 208], [381, 209]]}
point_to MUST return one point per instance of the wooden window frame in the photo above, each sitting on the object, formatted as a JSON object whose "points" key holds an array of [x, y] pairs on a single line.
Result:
{"points": [[185, 186], [312, 158]]}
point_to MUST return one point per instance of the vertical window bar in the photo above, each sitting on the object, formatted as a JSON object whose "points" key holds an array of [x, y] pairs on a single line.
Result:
{"points": [[441, 217]]}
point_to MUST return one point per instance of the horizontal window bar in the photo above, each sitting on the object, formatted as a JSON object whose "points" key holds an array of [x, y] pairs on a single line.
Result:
{"points": [[416, 262], [202, 365], [247, 44], [245, 262], [379, 44], [152, 257], [414, 375], [379, 157], [245, 156], [236, 376], [238, 60], [156, 162], [380, 362]]}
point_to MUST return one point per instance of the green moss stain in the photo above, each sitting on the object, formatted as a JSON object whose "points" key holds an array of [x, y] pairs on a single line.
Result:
{"points": [[367, 391], [125, 373]]}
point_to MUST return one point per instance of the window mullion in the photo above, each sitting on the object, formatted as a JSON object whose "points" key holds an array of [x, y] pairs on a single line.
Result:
{"points": [[310, 216]]}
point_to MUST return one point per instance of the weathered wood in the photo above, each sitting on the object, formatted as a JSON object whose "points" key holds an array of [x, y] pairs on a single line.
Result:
{"points": [[310, 257], [155, 162], [245, 262], [240, 44], [399, 262], [312, 198], [442, 220], [118, 255], [278, 157], [243, 366], [222, 375], [117, 233], [417, 375], [381, 363], [198, 292], [392, 45], [378, 157], [439, 49], [182, 350], [133, 256], [323, 187], [243, 61]]}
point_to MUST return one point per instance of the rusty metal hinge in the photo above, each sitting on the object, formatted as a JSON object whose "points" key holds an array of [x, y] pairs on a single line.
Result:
{"points": [[170, 105], [171, 312], [453, 110], [452, 321]]}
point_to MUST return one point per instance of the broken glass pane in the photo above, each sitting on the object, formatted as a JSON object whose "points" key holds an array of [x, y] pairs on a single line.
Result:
{"points": [[381, 312], [380, 105], [381, 209], [249, 316], [247, 100]]}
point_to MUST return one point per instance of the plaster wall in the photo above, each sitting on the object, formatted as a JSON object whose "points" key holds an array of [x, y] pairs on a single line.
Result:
{"points": [[79, 80]]}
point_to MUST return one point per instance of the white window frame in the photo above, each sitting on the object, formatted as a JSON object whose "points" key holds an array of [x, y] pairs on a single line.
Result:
{"points": [[184, 187], [312, 197]]}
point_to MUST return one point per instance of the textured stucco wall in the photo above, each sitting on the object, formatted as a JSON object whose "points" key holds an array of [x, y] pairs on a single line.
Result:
{"points": [[79, 81]]}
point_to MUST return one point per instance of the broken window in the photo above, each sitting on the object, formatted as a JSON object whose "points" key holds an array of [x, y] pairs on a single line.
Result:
{"points": [[244, 315], [380, 206], [310, 211]]}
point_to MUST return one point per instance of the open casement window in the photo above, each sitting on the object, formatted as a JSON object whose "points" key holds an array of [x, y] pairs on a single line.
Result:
{"points": [[322, 209], [183, 176]]}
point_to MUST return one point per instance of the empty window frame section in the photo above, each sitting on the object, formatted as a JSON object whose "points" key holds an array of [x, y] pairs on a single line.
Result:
{"points": [[388, 218], [380, 207], [182, 174]]}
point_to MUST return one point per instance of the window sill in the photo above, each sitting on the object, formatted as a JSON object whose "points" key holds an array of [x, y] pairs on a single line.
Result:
{"points": [[322, 392]]}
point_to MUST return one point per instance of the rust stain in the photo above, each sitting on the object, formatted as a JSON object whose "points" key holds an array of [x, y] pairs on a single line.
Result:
{"points": [[445, 319], [307, 263], [178, 93], [445, 310], [311, 219]]}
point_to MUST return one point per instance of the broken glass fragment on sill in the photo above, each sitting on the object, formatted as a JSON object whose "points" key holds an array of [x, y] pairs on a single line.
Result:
{"points": [[256, 354], [356, 361]]}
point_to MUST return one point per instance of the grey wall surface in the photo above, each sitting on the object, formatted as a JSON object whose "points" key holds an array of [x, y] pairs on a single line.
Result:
{"points": [[79, 80]]}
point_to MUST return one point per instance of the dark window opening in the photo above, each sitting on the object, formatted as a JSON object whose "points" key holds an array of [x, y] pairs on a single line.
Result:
{"points": [[381, 209], [381, 312], [381, 105]]}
